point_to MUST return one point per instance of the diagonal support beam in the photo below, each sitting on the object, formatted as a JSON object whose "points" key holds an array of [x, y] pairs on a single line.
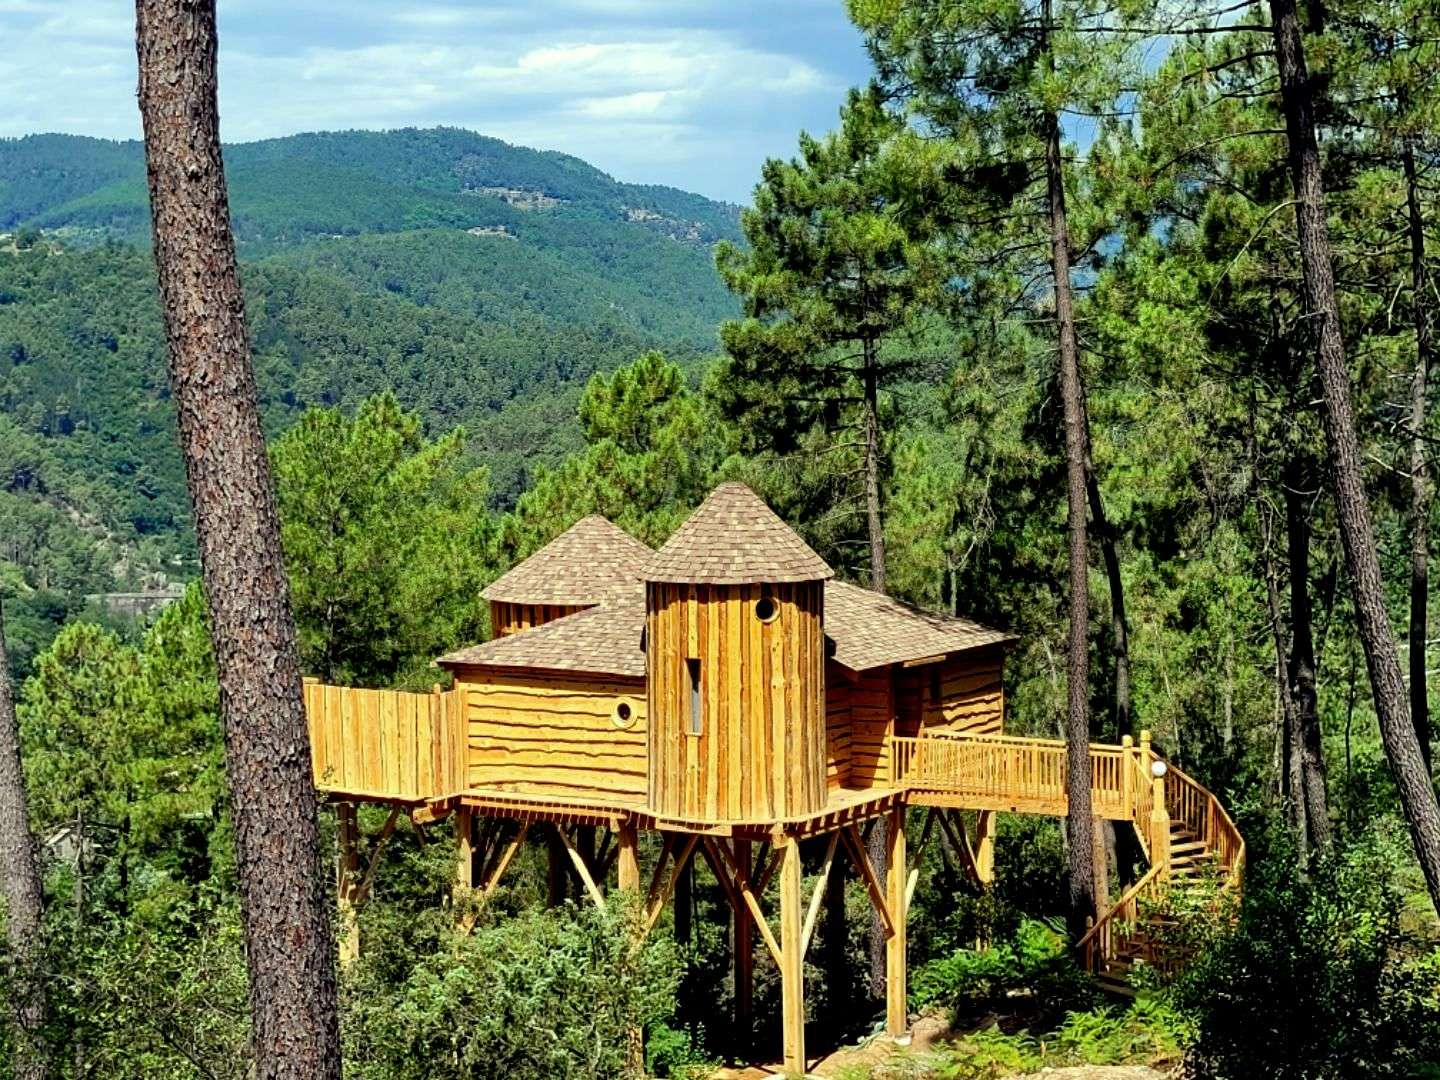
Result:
{"points": [[919, 856], [716, 861], [856, 847], [363, 892], [667, 848], [771, 864], [961, 844], [682, 859], [506, 856], [817, 897], [582, 868], [747, 893]]}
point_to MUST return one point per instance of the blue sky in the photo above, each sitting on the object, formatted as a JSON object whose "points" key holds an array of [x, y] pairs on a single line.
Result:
{"points": [[694, 93]]}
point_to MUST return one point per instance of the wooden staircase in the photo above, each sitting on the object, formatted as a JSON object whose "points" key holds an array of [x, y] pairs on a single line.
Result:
{"points": [[1196, 855], [1144, 932], [1195, 879]]}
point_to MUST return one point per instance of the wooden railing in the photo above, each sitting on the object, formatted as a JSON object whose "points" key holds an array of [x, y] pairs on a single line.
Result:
{"points": [[1191, 803], [1200, 812], [385, 744], [1006, 771], [1101, 941], [1009, 771]]}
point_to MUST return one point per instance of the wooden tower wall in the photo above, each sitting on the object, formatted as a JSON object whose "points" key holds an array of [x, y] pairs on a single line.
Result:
{"points": [[761, 749], [506, 618], [552, 734]]}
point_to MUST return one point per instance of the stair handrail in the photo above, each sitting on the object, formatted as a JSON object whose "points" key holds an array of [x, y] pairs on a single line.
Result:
{"points": [[1158, 799], [1211, 822], [1100, 936]]}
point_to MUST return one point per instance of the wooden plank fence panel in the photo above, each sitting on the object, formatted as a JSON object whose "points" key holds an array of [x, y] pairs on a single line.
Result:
{"points": [[385, 744]]}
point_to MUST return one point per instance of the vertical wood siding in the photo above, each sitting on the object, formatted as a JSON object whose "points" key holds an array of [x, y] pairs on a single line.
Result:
{"points": [[508, 618], [384, 743], [761, 751]]}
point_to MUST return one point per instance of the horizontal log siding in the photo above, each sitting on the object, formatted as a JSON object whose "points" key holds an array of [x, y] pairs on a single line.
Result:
{"points": [[512, 618], [761, 751], [837, 726], [971, 695], [872, 721], [554, 735]]}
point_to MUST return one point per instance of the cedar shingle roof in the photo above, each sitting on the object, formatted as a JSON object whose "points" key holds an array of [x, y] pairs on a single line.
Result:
{"points": [[870, 630], [735, 539], [578, 568], [600, 640]]}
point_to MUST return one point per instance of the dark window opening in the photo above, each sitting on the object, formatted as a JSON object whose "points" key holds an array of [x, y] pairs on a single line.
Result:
{"points": [[693, 667]]}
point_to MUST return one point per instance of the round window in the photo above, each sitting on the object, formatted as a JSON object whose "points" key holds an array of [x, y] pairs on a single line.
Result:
{"points": [[766, 609], [624, 715]]}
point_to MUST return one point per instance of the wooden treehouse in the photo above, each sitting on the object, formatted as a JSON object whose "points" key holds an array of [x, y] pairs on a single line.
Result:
{"points": [[728, 694]]}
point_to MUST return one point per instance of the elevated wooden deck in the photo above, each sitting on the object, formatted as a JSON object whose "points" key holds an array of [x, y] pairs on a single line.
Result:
{"points": [[409, 750]]}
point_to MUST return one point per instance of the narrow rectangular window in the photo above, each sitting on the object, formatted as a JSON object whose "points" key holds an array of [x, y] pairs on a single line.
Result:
{"points": [[693, 666]]}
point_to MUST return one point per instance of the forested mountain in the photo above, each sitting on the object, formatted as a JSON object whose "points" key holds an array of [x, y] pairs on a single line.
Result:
{"points": [[481, 282], [349, 182]]}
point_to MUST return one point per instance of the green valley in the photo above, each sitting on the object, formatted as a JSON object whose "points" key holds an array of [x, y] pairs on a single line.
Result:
{"points": [[483, 283]]}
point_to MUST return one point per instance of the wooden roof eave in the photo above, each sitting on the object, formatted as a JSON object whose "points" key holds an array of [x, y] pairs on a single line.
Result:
{"points": [[1006, 643], [589, 672]]}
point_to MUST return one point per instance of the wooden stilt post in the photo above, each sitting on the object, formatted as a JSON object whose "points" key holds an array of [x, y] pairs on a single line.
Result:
{"points": [[628, 866], [1127, 775], [792, 966], [744, 940], [466, 871], [347, 879], [585, 845], [896, 866], [985, 847], [557, 867]]}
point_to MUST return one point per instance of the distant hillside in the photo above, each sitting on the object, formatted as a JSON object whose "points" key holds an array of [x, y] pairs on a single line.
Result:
{"points": [[348, 182], [482, 282]]}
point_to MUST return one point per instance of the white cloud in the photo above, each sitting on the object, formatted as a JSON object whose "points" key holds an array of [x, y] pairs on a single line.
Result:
{"points": [[689, 92]]}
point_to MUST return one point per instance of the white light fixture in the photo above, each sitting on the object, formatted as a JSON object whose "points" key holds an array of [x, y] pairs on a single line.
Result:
{"points": [[1158, 769]]}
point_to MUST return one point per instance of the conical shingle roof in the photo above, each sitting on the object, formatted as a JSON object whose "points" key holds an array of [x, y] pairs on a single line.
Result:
{"points": [[580, 567], [735, 539]]}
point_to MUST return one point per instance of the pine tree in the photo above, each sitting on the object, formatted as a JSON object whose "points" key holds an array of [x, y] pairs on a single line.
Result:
{"points": [[995, 78], [842, 258], [1357, 533], [289, 948]]}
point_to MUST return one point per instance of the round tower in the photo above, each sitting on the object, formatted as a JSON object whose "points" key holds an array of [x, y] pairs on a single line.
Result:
{"points": [[735, 656]]}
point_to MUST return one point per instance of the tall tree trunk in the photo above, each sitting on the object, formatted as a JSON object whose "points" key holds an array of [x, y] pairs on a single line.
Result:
{"points": [[1119, 625], [875, 850], [1357, 535], [1419, 465], [873, 518], [1289, 772], [1079, 817], [288, 942], [876, 525], [1299, 478], [20, 887], [81, 1054]]}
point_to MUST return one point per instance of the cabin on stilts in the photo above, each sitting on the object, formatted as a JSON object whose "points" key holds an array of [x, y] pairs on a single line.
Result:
{"points": [[727, 693]]}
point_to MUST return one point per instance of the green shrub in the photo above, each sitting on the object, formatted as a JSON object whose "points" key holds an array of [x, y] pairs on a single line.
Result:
{"points": [[533, 996], [1318, 979], [1033, 961]]}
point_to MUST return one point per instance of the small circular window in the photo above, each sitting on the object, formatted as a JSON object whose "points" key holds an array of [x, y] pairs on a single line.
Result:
{"points": [[766, 609], [624, 715]]}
